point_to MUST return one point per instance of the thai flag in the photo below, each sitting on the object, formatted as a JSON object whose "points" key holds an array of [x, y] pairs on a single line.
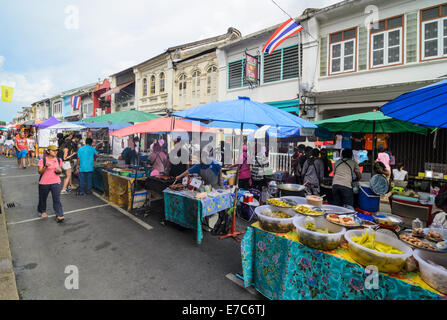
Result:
{"points": [[288, 29], [75, 102]]}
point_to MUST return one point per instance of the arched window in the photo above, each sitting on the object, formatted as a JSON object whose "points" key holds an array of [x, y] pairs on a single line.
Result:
{"points": [[211, 84], [182, 90], [152, 84], [195, 88], [162, 82], [144, 87]]}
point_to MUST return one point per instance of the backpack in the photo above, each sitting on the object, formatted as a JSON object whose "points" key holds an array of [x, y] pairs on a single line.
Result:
{"points": [[223, 224], [45, 162]]}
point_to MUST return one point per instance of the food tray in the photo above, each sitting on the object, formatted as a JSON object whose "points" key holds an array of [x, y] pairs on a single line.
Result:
{"points": [[357, 222], [387, 219], [288, 202], [385, 262], [321, 241], [312, 208], [336, 209], [271, 224], [408, 232]]}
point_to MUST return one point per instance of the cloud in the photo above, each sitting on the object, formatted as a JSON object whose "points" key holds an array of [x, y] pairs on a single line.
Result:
{"points": [[27, 87], [2, 61]]}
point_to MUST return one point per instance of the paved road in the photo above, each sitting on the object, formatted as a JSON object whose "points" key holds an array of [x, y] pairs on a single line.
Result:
{"points": [[117, 258]]}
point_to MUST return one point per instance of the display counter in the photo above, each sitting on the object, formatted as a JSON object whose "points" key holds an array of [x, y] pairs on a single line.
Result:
{"points": [[281, 268]]}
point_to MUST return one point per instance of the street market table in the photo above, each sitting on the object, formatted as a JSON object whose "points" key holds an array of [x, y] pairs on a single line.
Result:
{"points": [[120, 189], [281, 268], [185, 210]]}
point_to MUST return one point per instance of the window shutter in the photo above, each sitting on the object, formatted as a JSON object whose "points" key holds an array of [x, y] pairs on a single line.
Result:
{"points": [[323, 56], [290, 63], [272, 66], [363, 48], [235, 74], [412, 37]]}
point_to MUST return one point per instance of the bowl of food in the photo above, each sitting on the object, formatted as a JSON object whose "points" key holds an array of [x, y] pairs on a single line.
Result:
{"points": [[433, 269], [320, 234], [280, 202], [274, 219], [369, 247]]}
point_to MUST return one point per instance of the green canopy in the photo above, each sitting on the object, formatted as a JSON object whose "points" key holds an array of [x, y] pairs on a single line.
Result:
{"points": [[369, 122], [124, 116]]}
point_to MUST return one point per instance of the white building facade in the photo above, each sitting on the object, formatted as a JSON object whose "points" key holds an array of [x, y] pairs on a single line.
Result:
{"points": [[369, 52]]}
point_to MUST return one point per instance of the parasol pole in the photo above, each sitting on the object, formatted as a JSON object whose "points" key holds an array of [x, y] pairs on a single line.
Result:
{"points": [[374, 147], [232, 232]]}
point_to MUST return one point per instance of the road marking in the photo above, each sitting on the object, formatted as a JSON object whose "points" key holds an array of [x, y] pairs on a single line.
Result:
{"points": [[240, 283], [65, 213], [127, 214], [28, 175]]}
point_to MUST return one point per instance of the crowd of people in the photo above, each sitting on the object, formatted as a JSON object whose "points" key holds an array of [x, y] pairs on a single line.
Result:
{"points": [[22, 145]]}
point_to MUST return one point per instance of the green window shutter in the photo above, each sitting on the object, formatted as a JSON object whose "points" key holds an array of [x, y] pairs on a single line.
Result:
{"points": [[323, 56], [290, 63], [412, 37], [235, 74], [363, 48], [272, 66]]}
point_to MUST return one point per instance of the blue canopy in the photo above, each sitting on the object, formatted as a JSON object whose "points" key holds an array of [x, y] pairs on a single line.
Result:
{"points": [[230, 125], [246, 111], [426, 106]]}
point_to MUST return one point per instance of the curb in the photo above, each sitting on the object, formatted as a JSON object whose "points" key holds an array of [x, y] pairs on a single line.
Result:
{"points": [[8, 286]]}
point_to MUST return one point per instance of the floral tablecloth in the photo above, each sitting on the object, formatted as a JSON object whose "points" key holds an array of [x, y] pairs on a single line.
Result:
{"points": [[189, 212], [281, 268]]}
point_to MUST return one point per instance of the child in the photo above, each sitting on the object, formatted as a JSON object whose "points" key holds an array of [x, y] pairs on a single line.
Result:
{"points": [[9, 144]]}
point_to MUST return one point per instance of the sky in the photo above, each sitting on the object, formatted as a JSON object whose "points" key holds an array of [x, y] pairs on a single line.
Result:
{"points": [[50, 46]]}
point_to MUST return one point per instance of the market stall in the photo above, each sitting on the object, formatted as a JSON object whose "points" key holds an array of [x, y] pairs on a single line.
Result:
{"points": [[300, 250], [243, 111]]}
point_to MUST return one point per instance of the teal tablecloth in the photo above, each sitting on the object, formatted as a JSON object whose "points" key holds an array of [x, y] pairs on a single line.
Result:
{"points": [[189, 212], [97, 182], [283, 269]]}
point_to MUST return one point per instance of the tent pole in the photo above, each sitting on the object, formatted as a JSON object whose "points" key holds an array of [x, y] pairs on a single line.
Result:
{"points": [[232, 232], [374, 147]]}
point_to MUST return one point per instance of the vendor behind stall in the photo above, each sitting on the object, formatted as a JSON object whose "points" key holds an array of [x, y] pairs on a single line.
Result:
{"points": [[181, 166], [159, 161], [209, 170], [346, 171]]}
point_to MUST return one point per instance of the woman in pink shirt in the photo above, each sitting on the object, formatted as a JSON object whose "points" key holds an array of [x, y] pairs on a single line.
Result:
{"points": [[244, 169], [49, 169], [385, 159]]}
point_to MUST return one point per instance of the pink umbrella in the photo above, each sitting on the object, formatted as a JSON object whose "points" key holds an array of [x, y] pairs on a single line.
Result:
{"points": [[165, 124]]}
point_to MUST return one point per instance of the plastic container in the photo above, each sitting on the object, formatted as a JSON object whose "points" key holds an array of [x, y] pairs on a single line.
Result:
{"points": [[385, 262], [278, 225], [140, 174], [368, 200], [434, 276], [124, 173], [321, 241]]}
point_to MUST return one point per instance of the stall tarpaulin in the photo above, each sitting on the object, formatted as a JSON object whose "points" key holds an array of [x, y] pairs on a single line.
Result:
{"points": [[160, 125], [47, 123], [425, 106], [133, 116]]}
